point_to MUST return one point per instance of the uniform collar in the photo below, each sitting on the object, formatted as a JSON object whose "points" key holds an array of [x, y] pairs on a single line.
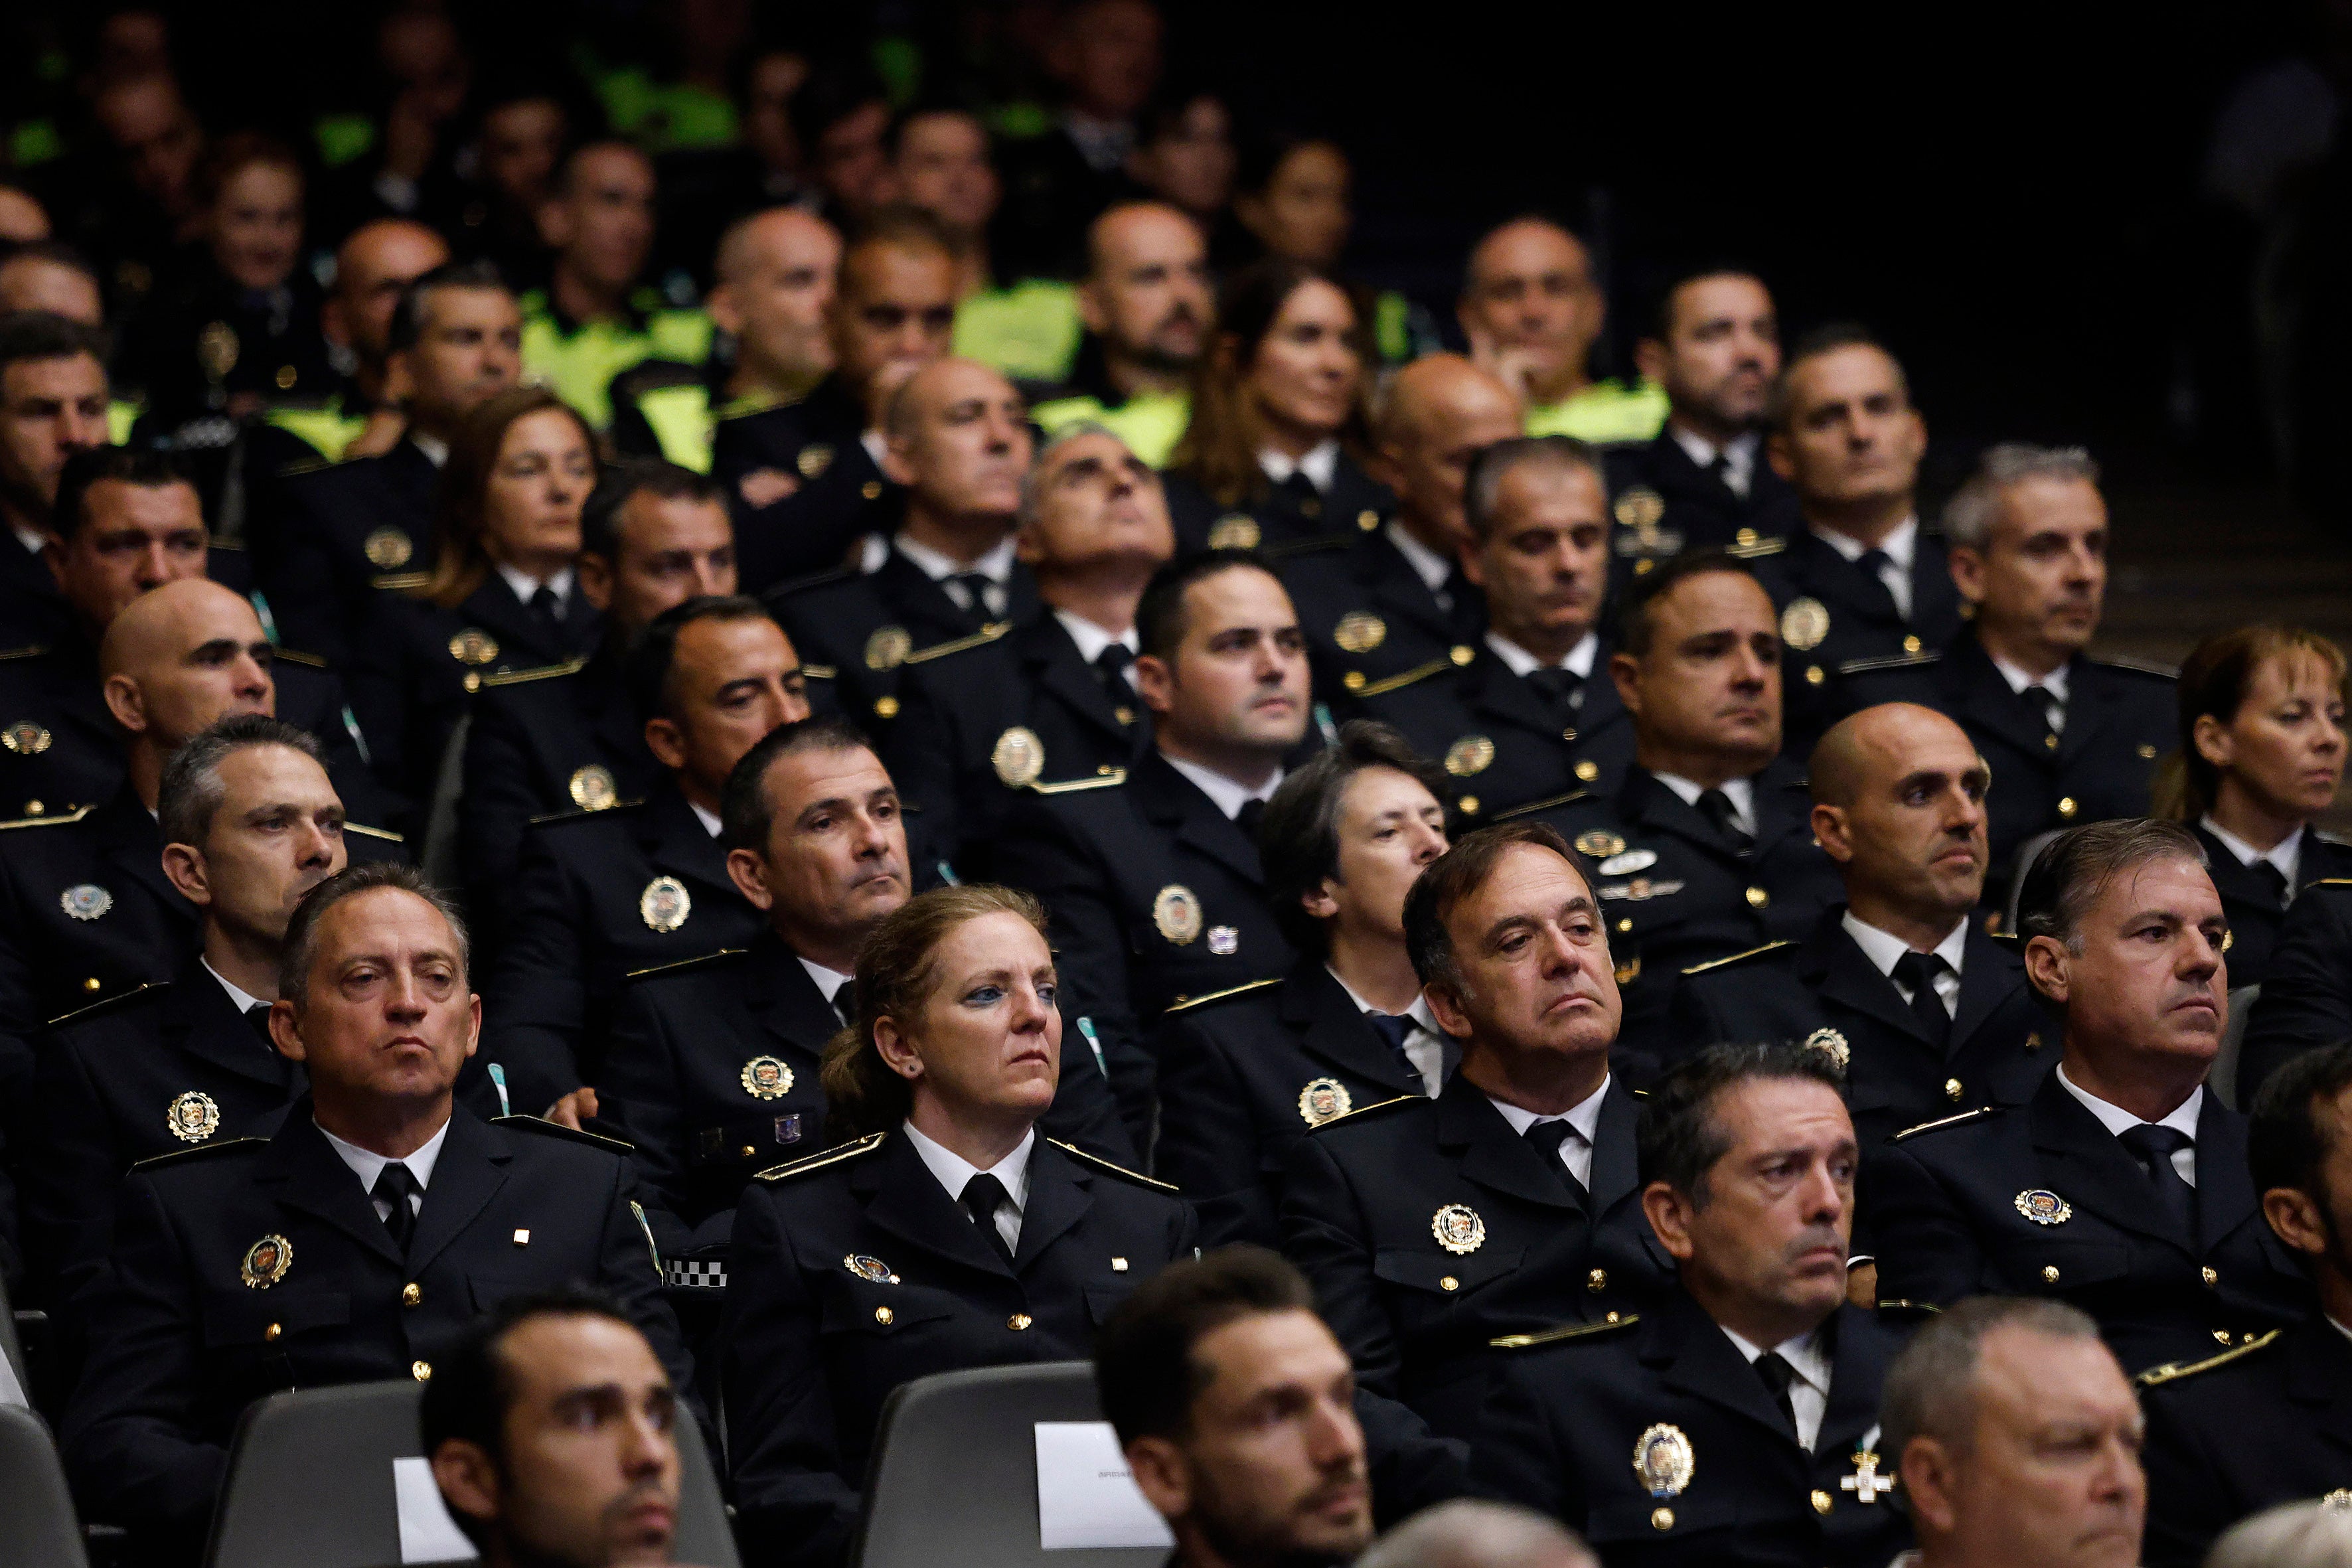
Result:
{"points": [[1580, 658], [2286, 854], [1739, 452], [1884, 951], [1805, 1353], [1901, 547], [2118, 1121], [367, 1165], [996, 565], [710, 821], [954, 1171], [239, 997], [524, 585], [1584, 1116], [1224, 794], [1091, 638], [828, 981], [1318, 465], [436, 450], [1433, 569], [1741, 792], [2020, 682]]}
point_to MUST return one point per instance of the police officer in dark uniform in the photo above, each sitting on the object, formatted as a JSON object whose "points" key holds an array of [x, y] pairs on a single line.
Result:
{"points": [[1152, 876], [1380, 604], [1507, 1203], [1862, 579], [805, 479], [950, 1233], [455, 340], [2306, 1002], [355, 1244], [252, 825], [611, 887], [568, 736], [1247, 1073], [1054, 698], [53, 388], [1707, 850], [1702, 482], [1746, 1397], [1922, 1011], [2256, 1426], [1532, 714], [2071, 739], [2122, 1186], [948, 578]]}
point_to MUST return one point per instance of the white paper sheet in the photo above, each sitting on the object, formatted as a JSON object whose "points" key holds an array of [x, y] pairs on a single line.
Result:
{"points": [[428, 1533], [1086, 1498]]}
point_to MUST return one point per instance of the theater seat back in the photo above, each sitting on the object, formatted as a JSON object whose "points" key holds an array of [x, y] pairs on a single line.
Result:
{"points": [[37, 1528]]}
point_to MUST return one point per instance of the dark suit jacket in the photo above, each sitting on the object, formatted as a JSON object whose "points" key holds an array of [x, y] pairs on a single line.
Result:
{"points": [[1696, 510], [2257, 918], [2307, 1000], [1568, 1415], [1394, 621], [1862, 621], [1272, 516], [1943, 1209], [816, 441], [318, 577], [815, 1347], [1418, 1317]]}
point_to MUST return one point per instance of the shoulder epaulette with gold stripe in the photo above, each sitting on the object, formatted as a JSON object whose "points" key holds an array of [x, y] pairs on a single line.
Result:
{"points": [[1889, 661], [401, 582], [386, 834], [1944, 1121], [1738, 957], [101, 1006], [573, 814], [296, 655], [1398, 683], [1895, 1305], [74, 816], [1756, 549], [1112, 1167], [980, 638], [819, 672], [1071, 786], [865, 1145], [34, 651], [1564, 1332], [572, 665], [1189, 1003], [542, 1125], [2173, 1372], [1362, 1110], [678, 964], [2139, 666], [1535, 805], [199, 1151]]}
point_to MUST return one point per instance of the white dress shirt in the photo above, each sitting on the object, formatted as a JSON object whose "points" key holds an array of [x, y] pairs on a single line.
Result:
{"points": [[1224, 793], [828, 981], [368, 1165], [954, 1171], [1738, 456], [712, 822], [1741, 792], [2020, 682], [1884, 951], [2118, 1121], [1433, 569], [1900, 548], [436, 450], [1809, 1391], [1583, 1118], [1424, 1043], [1580, 658], [239, 998], [1318, 465], [2286, 854], [996, 565], [524, 585], [1092, 639]]}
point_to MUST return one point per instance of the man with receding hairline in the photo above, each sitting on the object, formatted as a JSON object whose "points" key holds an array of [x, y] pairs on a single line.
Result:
{"points": [[1148, 305], [1532, 310], [373, 267]]}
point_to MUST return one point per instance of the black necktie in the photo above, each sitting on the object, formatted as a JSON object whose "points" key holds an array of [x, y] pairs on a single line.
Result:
{"points": [[1252, 812], [1717, 808], [1916, 972], [547, 608], [2154, 1147], [975, 585], [1772, 1369], [1300, 493], [844, 1002], [1559, 686], [259, 1016], [2052, 706], [2273, 881], [396, 1185], [1874, 564], [1545, 1138], [982, 1196], [1110, 668], [1394, 1028]]}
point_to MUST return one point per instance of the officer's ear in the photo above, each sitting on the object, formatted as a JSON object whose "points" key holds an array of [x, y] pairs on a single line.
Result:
{"points": [[1446, 1008], [468, 1479], [896, 1051], [1968, 568], [555, 224], [1155, 682], [1093, 313], [749, 875], [126, 702], [1318, 902], [282, 1033], [184, 868], [1161, 1476], [1670, 1212], [1930, 1479], [664, 740], [2213, 740], [1829, 826], [2046, 960], [595, 575], [1650, 357], [721, 307], [1777, 453], [2294, 1215], [1626, 674]]}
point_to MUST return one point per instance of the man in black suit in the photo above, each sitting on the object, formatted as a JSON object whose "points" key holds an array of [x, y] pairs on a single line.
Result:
{"points": [[250, 825], [1862, 579], [1702, 482], [605, 890], [567, 736], [1708, 848], [1247, 1073], [1747, 1395], [2257, 1426], [1396, 599], [2122, 1186], [2071, 739], [959, 442], [1151, 877], [1523, 718], [1924, 1012], [356, 1244], [53, 397], [456, 342], [1507, 1203]]}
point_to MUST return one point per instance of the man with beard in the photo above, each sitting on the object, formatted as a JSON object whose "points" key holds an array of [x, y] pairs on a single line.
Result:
{"points": [[1532, 310], [1147, 303]]}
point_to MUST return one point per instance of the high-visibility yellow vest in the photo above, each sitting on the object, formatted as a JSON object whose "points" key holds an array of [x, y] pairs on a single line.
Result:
{"points": [[1150, 423], [579, 365], [1605, 411], [325, 428], [1030, 331]]}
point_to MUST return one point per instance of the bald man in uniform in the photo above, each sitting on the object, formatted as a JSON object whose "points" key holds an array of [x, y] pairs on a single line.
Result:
{"points": [[1394, 600], [1148, 301], [1532, 310]]}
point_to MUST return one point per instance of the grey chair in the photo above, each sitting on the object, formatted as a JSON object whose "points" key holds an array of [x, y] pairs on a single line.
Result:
{"points": [[39, 1529], [2027, 853], [955, 1462], [2224, 1077], [309, 1483]]}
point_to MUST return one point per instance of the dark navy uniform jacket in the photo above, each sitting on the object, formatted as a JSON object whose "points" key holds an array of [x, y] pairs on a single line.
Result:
{"points": [[342, 526], [1359, 1214], [181, 1343], [816, 1342], [1369, 616], [1503, 742], [1244, 1075], [2120, 718], [1689, 507], [1856, 619], [2257, 913], [678, 1081], [2000, 1045], [151, 1072], [2306, 1002], [961, 704], [1946, 1204], [818, 442], [1570, 1414], [2242, 1430], [1274, 515]]}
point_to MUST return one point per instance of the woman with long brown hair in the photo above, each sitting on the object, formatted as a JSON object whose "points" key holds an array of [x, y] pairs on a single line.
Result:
{"points": [[945, 1233], [503, 595], [1274, 450], [2261, 721]]}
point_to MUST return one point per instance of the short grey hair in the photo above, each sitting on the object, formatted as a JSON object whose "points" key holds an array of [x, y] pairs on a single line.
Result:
{"points": [[190, 793], [2312, 1534], [1931, 1389], [1467, 1534], [1493, 464], [303, 926], [1047, 447], [2075, 869], [1968, 515]]}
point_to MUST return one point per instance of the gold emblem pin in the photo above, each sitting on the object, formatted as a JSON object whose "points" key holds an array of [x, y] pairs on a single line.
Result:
{"points": [[872, 1269], [266, 1262], [85, 900], [1831, 1044], [1600, 843], [26, 738], [2043, 1207], [1234, 530], [1804, 624], [1176, 914], [1470, 754], [814, 459], [1322, 1100], [1663, 1460], [1586, 771], [1459, 1229], [1359, 631], [388, 549], [888, 648], [664, 904], [767, 1078], [1641, 508], [1866, 1484], [1625, 862], [592, 788], [216, 349], [1019, 758], [192, 1117], [473, 646]]}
